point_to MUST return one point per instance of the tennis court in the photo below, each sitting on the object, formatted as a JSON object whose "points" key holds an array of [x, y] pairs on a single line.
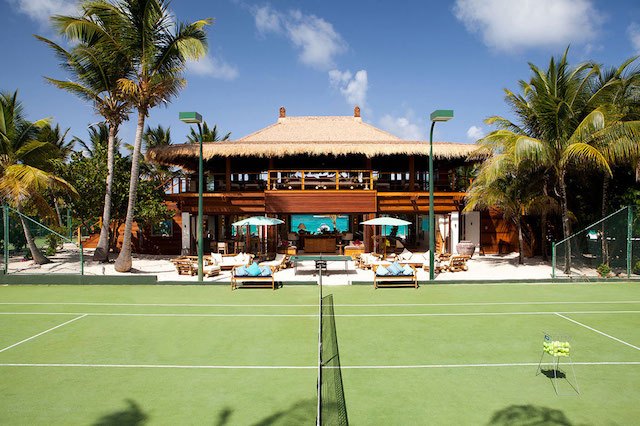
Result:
{"points": [[441, 354]]}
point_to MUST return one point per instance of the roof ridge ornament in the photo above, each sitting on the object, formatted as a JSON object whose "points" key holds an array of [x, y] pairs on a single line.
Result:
{"points": [[356, 111]]}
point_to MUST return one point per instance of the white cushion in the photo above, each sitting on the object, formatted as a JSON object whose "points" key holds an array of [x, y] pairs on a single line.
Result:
{"points": [[216, 258], [405, 255]]}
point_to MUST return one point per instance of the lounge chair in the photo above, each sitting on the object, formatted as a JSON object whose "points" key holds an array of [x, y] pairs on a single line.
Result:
{"points": [[368, 260], [458, 263], [230, 261], [279, 263], [417, 260], [390, 280], [251, 281], [185, 265]]}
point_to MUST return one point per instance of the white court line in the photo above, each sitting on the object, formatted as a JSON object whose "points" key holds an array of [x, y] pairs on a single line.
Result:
{"points": [[439, 314], [352, 305], [308, 367], [44, 332], [598, 331]]}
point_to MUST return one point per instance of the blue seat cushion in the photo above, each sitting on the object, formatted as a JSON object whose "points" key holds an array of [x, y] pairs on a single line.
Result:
{"points": [[265, 271], [408, 270], [395, 268], [254, 270], [382, 271], [241, 271]]}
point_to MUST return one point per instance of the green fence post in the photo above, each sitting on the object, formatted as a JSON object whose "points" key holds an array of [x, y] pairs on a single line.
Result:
{"points": [[629, 239], [5, 220], [553, 260], [69, 224], [81, 259]]}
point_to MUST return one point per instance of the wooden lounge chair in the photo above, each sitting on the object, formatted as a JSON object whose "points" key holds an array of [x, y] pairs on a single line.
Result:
{"points": [[279, 263], [185, 266], [395, 280], [368, 260], [248, 281], [458, 263]]}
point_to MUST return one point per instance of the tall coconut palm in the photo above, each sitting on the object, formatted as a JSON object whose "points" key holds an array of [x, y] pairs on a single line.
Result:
{"points": [[56, 137], [208, 134], [24, 161], [95, 66], [159, 48]]}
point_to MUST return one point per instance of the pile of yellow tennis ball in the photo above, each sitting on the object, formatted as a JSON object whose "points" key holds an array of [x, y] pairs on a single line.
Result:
{"points": [[556, 348]]}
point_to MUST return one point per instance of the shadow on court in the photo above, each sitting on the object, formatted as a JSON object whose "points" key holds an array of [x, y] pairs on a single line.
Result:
{"points": [[302, 412], [521, 415], [130, 416]]}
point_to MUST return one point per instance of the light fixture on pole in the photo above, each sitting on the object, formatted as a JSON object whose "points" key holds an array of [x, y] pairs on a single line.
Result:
{"points": [[195, 118], [437, 115]]}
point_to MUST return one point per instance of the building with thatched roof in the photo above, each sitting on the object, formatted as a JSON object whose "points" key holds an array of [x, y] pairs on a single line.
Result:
{"points": [[322, 167]]}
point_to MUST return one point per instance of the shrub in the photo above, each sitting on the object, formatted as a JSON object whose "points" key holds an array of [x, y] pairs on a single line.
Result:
{"points": [[604, 270], [53, 241], [636, 268]]}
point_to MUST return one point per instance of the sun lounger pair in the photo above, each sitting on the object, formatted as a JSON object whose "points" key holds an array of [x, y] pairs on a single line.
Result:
{"points": [[188, 265], [279, 263], [453, 263]]}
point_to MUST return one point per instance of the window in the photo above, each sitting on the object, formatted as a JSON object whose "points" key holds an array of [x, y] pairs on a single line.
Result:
{"points": [[163, 229]]}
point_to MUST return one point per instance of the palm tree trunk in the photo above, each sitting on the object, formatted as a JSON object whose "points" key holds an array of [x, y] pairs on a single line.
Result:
{"points": [[102, 249], [520, 240], [605, 193], [37, 256], [543, 224], [54, 200], [123, 262], [566, 227]]}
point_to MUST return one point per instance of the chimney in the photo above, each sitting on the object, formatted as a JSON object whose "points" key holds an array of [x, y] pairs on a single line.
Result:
{"points": [[356, 113]]}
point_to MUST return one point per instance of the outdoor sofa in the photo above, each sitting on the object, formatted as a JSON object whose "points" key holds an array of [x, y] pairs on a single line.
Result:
{"points": [[385, 276], [228, 262], [253, 276]]}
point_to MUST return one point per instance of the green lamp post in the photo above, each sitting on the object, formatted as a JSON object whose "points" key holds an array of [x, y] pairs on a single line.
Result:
{"points": [[437, 115], [195, 118]]}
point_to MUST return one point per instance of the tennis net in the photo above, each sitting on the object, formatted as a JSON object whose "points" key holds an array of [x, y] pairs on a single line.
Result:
{"points": [[332, 405]]}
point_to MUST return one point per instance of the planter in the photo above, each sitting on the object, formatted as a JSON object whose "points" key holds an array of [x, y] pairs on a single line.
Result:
{"points": [[466, 248]]}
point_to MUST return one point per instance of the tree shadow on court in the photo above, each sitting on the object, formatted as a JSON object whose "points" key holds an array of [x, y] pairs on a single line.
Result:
{"points": [[301, 413], [529, 415], [130, 416]]}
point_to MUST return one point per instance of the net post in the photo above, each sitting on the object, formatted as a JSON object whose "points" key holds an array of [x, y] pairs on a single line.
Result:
{"points": [[5, 220], [629, 239], [553, 260]]}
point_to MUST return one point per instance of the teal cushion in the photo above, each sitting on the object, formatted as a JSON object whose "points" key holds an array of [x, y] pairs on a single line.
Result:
{"points": [[395, 268], [382, 271], [241, 272], [265, 271], [254, 270], [408, 270]]}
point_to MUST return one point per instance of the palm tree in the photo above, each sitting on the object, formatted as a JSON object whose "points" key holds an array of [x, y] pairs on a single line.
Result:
{"points": [[208, 135], [56, 137], [153, 138], [95, 65], [563, 126], [23, 166]]}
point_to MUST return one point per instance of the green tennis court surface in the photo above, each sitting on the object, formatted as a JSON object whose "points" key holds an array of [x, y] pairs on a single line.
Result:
{"points": [[456, 354]]}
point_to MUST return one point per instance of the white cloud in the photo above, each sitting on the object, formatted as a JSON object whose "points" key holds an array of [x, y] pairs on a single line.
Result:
{"points": [[353, 87], [316, 38], [474, 133], [42, 10], [509, 25], [267, 20], [402, 127], [634, 35], [215, 67]]}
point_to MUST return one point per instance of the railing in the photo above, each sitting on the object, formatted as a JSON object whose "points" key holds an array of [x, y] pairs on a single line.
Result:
{"points": [[320, 179], [315, 180]]}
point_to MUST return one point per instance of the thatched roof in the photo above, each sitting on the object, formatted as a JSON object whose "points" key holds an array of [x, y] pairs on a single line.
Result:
{"points": [[312, 136]]}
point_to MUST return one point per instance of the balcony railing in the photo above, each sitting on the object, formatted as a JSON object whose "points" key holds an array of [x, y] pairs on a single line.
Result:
{"points": [[320, 179], [313, 180]]}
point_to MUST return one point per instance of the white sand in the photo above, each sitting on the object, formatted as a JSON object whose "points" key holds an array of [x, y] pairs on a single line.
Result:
{"points": [[489, 268]]}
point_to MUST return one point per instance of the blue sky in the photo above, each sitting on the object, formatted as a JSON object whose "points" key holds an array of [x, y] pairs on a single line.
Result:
{"points": [[398, 60]]}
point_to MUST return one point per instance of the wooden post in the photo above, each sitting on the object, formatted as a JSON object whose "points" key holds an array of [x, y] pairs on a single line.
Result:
{"points": [[337, 179], [228, 174], [412, 173]]}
